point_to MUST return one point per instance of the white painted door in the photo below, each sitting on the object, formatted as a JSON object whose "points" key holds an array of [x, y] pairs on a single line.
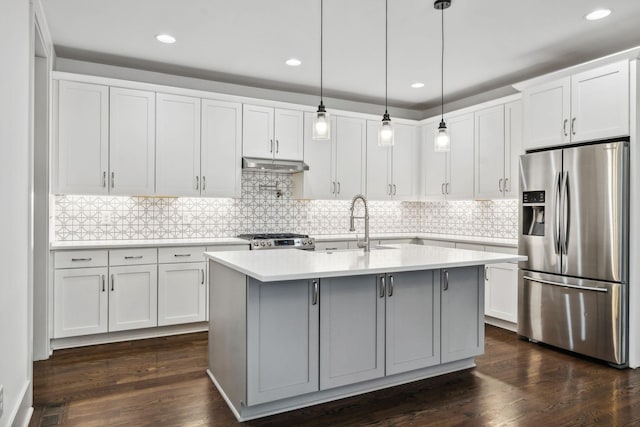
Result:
{"points": [[434, 167], [412, 321], [132, 141], [351, 330], [462, 313], [181, 293], [289, 135], [404, 168], [80, 302], [133, 297], [459, 184], [489, 153], [350, 157], [82, 144], [221, 149], [379, 186], [501, 291], [177, 145], [600, 103], [513, 132], [257, 131], [547, 110], [317, 182], [282, 339]]}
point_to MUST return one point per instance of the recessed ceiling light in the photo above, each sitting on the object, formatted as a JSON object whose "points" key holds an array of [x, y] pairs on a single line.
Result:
{"points": [[598, 14], [166, 38], [417, 85], [293, 62]]}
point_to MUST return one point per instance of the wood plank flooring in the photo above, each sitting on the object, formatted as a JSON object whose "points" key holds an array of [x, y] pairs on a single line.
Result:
{"points": [[162, 382]]}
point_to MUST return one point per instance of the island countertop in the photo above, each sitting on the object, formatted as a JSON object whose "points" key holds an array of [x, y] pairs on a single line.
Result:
{"points": [[294, 264]]}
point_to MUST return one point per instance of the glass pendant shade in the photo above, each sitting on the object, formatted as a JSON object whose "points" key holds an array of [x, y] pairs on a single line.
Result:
{"points": [[385, 132], [321, 125], [442, 142]]}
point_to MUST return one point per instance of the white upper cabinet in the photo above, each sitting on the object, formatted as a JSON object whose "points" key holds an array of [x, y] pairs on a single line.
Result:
{"points": [[272, 133], [132, 141], [489, 152], [177, 145], [584, 107], [221, 149], [350, 154], [82, 145], [318, 181], [449, 175], [391, 171], [513, 135]]}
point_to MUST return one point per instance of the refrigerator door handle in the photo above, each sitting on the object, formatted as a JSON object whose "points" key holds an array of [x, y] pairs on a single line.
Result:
{"points": [[566, 206], [565, 285], [556, 214]]}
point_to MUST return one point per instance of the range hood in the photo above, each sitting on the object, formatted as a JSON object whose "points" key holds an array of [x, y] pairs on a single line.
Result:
{"points": [[273, 165]]}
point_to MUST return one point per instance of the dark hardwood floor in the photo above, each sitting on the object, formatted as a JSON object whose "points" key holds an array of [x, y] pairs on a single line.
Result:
{"points": [[162, 382]]}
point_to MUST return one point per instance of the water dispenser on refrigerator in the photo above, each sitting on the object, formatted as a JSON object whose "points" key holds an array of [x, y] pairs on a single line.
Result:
{"points": [[533, 214]]}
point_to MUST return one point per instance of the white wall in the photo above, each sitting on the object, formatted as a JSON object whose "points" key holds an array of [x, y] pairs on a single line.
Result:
{"points": [[15, 349]]}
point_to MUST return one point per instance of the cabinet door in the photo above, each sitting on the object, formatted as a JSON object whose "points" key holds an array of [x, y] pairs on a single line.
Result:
{"points": [[133, 297], [379, 185], [489, 153], [501, 291], [351, 330], [600, 103], [177, 145], [434, 165], [462, 313], [403, 163], [413, 321], [181, 293], [318, 181], [221, 149], [546, 114], [82, 152], [257, 131], [350, 157], [289, 135], [80, 302], [282, 339], [512, 147], [460, 166], [132, 141]]}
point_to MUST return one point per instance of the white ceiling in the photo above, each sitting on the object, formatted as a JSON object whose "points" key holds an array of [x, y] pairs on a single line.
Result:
{"points": [[489, 44]]}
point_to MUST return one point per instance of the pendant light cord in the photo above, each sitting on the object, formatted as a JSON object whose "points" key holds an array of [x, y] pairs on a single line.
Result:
{"points": [[442, 67], [386, 50], [321, 33]]}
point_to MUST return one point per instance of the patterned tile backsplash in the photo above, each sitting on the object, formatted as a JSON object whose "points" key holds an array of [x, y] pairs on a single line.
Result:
{"points": [[260, 209]]}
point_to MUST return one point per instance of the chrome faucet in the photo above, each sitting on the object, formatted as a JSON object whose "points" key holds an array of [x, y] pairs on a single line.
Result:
{"points": [[361, 244]]}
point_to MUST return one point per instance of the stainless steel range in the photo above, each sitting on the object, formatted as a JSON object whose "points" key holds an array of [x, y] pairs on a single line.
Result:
{"points": [[279, 241]]}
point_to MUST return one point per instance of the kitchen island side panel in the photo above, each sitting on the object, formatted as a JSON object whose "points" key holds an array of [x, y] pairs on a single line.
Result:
{"points": [[228, 331]]}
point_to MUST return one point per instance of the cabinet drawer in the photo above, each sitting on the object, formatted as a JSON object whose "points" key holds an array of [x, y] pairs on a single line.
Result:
{"points": [[81, 259], [133, 256], [181, 254], [220, 248]]}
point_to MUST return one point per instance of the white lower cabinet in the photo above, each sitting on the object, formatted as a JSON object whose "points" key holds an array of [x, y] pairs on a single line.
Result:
{"points": [[282, 339], [462, 313], [133, 297], [80, 301], [501, 291], [412, 321], [182, 293], [351, 330]]}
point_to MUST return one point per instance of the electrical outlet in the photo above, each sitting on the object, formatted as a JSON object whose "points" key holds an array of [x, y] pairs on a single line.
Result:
{"points": [[1, 400]]}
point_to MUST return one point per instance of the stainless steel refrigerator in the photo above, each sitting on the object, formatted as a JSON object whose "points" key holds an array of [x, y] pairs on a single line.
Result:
{"points": [[574, 227]]}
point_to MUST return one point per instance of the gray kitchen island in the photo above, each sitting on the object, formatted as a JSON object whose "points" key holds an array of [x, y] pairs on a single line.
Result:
{"points": [[293, 328]]}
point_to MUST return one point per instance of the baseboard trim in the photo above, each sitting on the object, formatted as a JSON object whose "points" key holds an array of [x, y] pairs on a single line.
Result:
{"points": [[513, 327], [21, 415]]}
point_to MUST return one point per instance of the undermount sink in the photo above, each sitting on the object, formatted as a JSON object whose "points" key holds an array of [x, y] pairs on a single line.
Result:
{"points": [[373, 248]]}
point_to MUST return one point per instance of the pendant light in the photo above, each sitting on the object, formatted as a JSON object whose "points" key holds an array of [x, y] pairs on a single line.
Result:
{"points": [[442, 141], [321, 122], [385, 129]]}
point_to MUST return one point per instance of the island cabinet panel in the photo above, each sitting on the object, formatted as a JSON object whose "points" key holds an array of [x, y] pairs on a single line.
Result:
{"points": [[413, 321], [351, 330], [282, 339], [462, 312]]}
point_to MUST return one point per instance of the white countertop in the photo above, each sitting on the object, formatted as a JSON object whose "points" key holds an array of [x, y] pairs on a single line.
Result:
{"points": [[115, 244], [293, 264]]}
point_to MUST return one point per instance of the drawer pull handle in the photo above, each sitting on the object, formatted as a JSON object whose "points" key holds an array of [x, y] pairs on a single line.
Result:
{"points": [[81, 259], [181, 255], [133, 257]]}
